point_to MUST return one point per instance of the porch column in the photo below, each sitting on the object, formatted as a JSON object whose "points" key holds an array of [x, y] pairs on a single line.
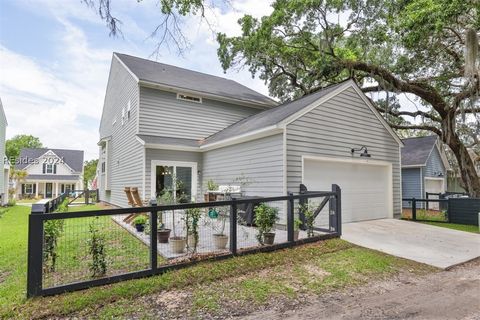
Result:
{"points": [[36, 189], [56, 189]]}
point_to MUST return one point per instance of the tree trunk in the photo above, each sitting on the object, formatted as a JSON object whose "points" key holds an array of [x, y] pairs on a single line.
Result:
{"points": [[465, 163]]}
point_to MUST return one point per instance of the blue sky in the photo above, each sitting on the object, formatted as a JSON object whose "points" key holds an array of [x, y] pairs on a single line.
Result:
{"points": [[55, 57]]}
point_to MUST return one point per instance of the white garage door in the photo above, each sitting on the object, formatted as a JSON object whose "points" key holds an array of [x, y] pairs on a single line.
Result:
{"points": [[366, 188]]}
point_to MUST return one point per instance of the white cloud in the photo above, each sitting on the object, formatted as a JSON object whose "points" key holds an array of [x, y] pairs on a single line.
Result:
{"points": [[61, 100]]}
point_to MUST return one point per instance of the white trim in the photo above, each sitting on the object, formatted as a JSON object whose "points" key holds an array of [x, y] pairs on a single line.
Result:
{"points": [[252, 135], [126, 68], [421, 183], [153, 171], [314, 104], [171, 147], [144, 175], [436, 179], [413, 166], [401, 178], [358, 161]]}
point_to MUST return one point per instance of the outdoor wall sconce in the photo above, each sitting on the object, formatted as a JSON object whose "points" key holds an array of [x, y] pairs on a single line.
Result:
{"points": [[364, 154]]}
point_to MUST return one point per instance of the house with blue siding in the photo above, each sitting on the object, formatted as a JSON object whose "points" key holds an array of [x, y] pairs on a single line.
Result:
{"points": [[161, 121], [424, 168]]}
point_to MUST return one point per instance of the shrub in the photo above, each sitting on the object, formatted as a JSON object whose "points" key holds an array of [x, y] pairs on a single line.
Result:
{"points": [[212, 185], [296, 224], [309, 218], [11, 202], [140, 220], [96, 248], [265, 218], [52, 230], [192, 218]]}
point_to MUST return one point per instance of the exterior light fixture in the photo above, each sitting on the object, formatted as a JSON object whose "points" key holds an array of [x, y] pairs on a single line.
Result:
{"points": [[364, 154]]}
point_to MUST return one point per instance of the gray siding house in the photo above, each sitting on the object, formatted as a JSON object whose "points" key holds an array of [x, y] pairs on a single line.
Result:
{"points": [[424, 168], [159, 120]]}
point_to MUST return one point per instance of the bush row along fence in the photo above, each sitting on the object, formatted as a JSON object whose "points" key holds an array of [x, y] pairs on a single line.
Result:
{"points": [[77, 250], [452, 210]]}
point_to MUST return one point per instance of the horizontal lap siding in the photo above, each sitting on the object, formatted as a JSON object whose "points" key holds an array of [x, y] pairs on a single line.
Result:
{"points": [[125, 158], [170, 155], [411, 185], [162, 114], [261, 161], [332, 129]]}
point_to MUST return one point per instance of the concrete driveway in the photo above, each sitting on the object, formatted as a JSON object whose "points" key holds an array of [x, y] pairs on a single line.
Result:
{"points": [[436, 246]]}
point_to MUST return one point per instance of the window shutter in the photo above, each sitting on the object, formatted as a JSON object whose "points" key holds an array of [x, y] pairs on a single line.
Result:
{"points": [[23, 188], [54, 169], [44, 167], [35, 188]]}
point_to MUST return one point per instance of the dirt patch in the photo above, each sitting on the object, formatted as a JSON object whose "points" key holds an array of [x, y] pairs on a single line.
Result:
{"points": [[452, 294], [4, 275]]}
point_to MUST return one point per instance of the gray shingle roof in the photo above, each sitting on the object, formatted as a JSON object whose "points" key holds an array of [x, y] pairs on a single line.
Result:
{"points": [[73, 158], [270, 117], [169, 75], [52, 177], [417, 150]]}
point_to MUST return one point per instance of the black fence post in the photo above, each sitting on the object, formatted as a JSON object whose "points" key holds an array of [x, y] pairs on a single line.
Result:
{"points": [[290, 218], [87, 196], [35, 251], [301, 203], [448, 209], [153, 235], [338, 208], [427, 194], [414, 209], [233, 227], [98, 196]]}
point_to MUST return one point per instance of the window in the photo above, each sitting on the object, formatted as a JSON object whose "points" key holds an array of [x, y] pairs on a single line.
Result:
{"points": [[123, 116], [129, 109], [185, 97], [28, 188], [49, 168]]}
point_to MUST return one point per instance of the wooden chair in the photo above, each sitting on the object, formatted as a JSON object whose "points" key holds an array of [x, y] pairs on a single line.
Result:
{"points": [[132, 202]]}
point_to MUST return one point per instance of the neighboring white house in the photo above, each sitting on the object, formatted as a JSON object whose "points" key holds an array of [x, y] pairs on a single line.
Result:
{"points": [[5, 167], [51, 172], [161, 121]]}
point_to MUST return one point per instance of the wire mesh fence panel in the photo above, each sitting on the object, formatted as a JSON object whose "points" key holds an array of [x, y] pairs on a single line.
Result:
{"points": [[81, 249], [192, 234]]}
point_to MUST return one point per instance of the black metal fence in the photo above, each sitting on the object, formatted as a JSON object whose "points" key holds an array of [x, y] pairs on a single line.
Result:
{"points": [[76, 250], [453, 210]]}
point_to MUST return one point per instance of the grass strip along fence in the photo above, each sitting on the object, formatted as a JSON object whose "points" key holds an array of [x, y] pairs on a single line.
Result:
{"points": [[70, 251]]}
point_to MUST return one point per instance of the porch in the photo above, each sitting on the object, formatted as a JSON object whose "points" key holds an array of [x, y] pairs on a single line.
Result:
{"points": [[45, 189]]}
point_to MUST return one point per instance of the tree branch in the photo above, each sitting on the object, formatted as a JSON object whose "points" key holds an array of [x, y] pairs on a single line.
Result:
{"points": [[409, 113], [417, 127]]}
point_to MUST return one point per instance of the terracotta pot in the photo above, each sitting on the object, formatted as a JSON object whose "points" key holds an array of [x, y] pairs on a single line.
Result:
{"points": [[268, 238], [163, 235], [220, 241], [295, 234], [178, 244]]}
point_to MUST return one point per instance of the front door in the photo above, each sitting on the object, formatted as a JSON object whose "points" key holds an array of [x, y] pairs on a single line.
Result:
{"points": [[174, 180], [48, 190]]}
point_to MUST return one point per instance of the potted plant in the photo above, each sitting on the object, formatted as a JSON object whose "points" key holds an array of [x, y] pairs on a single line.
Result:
{"points": [[139, 223], [178, 243], [217, 222], [265, 218], [296, 228], [192, 218], [163, 234]]}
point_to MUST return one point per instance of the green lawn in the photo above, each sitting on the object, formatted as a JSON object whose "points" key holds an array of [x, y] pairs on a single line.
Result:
{"points": [[124, 252], [455, 226]]}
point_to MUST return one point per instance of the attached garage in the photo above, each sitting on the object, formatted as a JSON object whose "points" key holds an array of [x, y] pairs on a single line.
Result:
{"points": [[366, 185]]}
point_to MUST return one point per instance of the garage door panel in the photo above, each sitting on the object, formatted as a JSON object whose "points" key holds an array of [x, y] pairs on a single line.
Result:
{"points": [[365, 187]]}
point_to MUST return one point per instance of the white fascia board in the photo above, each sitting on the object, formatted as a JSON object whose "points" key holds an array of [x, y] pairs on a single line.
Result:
{"points": [[413, 166], [253, 135], [166, 146], [248, 103]]}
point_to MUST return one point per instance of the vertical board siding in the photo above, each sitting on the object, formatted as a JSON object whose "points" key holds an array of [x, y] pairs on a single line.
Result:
{"points": [[411, 185], [332, 129], [170, 155], [125, 154], [162, 114]]}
